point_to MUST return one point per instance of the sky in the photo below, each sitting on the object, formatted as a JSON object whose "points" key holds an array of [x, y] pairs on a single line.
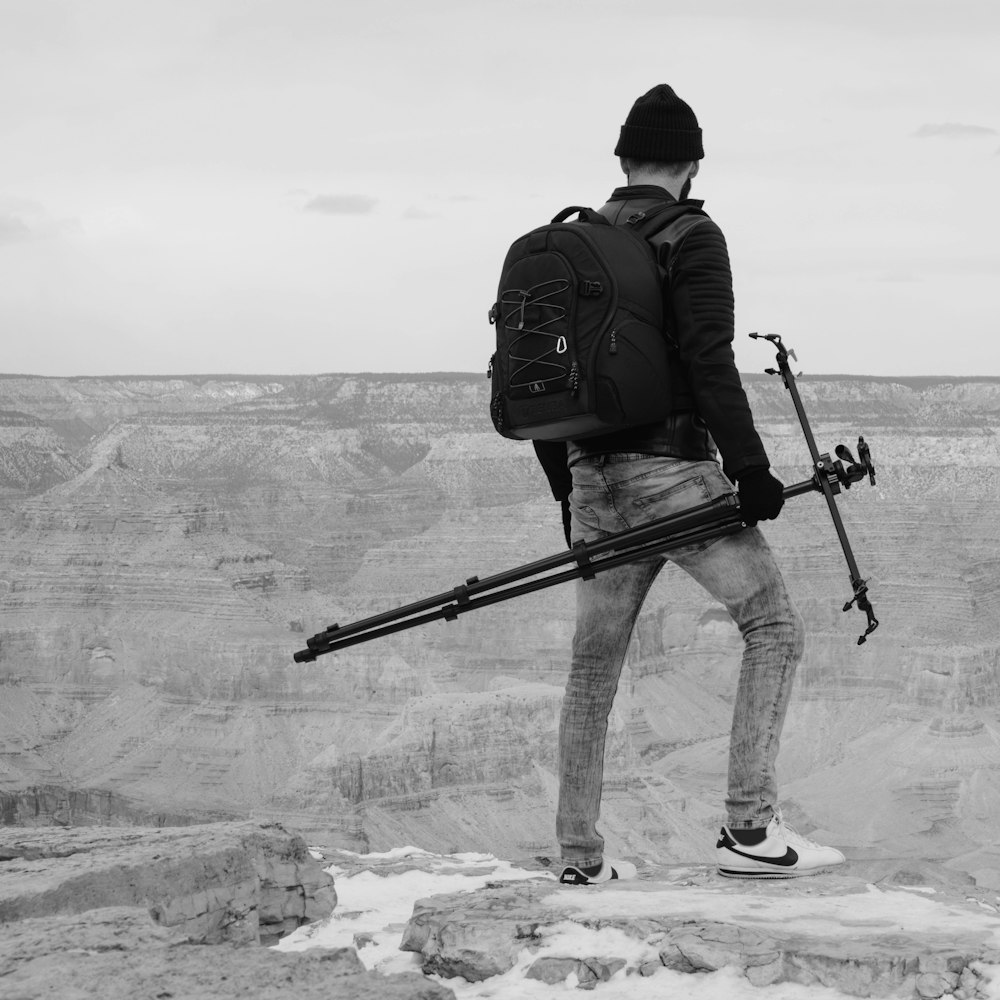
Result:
{"points": [[303, 186], [374, 903]]}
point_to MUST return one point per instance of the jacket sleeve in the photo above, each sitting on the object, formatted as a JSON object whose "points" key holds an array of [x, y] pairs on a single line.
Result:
{"points": [[552, 455], [700, 286]]}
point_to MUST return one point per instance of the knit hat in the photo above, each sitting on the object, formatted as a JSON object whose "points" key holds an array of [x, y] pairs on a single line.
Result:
{"points": [[660, 127]]}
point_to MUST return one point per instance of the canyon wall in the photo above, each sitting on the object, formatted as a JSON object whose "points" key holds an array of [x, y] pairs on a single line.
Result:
{"points": [[166, 545]]}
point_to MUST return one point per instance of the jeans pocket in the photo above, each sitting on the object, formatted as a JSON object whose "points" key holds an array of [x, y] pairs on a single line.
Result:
{"points": [[585, 521], [673, 499]]}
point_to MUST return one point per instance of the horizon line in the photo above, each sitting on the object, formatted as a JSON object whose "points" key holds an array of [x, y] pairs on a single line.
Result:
{"points": [[397, 375]]}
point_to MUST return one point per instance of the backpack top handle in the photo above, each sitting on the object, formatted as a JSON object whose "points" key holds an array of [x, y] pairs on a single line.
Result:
{"points": [[586, 215]]}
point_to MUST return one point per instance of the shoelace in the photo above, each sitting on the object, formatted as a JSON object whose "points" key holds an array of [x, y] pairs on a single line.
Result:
{"points": [[792, 835]]}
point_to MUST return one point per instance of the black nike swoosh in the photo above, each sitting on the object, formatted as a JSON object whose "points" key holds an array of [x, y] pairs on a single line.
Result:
{"points": [[789, 858]]}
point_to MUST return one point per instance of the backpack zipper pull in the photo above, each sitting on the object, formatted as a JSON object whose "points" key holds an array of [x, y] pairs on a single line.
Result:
{"points": [[524, 302], [573, 381], [613, 346]]}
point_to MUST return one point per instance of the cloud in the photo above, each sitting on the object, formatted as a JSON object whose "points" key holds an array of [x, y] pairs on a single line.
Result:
{"points": [[341, 204], [899, 277], [13, 229], [952, 130], [22, 220], [413, 212]]}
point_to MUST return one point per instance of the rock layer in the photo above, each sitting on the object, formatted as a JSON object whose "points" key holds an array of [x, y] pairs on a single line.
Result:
{"points": [[242, 882], [167, 544]]}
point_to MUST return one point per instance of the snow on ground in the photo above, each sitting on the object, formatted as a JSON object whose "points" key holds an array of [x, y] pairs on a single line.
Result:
{"points": [[373, 910]]}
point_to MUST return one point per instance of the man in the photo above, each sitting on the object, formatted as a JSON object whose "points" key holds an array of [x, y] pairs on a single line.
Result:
{"points": [[631, 477]]}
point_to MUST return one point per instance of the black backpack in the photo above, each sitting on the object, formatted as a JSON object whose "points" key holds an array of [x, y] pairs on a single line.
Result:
{"points": [[580, 342]]}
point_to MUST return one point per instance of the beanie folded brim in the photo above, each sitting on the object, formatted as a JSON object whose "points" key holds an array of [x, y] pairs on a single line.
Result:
{"points": [[640, 142]]}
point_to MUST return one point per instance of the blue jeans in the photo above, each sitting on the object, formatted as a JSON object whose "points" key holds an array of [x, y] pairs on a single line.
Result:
{"points": [[615, 492]]}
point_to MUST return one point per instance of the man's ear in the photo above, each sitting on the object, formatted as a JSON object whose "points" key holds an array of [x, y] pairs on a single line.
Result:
{"points": [[623, 163], [695, 166]]}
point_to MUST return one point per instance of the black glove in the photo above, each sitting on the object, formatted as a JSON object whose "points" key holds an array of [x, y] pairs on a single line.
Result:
{"points": [[566, 519], [760, 495]]}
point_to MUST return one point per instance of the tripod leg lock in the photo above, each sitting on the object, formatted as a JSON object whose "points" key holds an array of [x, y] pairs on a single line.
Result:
{"points": [[462, 599], [582, 556]]}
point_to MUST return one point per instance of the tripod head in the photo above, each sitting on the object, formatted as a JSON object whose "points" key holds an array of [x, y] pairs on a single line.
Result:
{"points": [[856, 471]]}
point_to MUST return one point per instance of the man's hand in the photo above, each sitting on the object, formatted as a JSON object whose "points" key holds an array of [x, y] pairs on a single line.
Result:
{"points": [[760, 496], [566, 518]]}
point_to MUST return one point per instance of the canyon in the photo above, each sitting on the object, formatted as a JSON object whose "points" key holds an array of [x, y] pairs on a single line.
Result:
{"points": [[167, 544]]}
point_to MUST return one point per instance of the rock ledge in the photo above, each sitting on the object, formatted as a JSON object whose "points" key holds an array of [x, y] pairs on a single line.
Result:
{"points": [[237, 882], [126, 913], [832, 930]]}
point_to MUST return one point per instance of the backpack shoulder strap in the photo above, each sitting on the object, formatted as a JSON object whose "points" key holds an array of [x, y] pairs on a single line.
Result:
{"points": [[666, 234], [665, 217], [651, 221]]}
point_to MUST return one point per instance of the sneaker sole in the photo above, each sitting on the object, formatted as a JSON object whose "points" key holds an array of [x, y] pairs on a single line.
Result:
{"points": [[772, 872]]}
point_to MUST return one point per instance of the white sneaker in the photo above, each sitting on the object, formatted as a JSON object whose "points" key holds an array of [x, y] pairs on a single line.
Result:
{"points": [[571, 875], [783, 853]]}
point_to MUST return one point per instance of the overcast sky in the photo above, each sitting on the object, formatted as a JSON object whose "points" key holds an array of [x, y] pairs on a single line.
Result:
{"points": [[297, 186]]}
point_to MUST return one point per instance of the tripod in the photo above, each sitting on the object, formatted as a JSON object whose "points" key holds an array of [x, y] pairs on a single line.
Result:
{"points": [[585, 560]]}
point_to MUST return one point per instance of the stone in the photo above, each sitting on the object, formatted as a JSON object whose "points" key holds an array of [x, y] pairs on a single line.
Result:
{"points": [[475, 941], [588, 972], [237, 882], [969, 981], [705, 947], [935, 984], [553, 970]]}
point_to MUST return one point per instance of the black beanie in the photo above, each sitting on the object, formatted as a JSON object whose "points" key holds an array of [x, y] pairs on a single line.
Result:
{"points": [[660, 127]]}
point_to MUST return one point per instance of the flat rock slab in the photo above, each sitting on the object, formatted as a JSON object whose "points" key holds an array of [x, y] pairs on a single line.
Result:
{"points": [[838, 930], [236, 882], [122, 954]]}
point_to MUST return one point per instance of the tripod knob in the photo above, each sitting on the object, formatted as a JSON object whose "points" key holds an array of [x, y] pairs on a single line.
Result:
{"points": [[866, 459], [844, 454]]}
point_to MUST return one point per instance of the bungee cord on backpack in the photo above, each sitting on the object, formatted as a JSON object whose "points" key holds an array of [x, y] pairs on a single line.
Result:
{"points": [[530, 334]]}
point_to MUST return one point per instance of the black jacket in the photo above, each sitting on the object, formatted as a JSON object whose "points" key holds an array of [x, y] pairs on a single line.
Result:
{"points": [[698, 306]]}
